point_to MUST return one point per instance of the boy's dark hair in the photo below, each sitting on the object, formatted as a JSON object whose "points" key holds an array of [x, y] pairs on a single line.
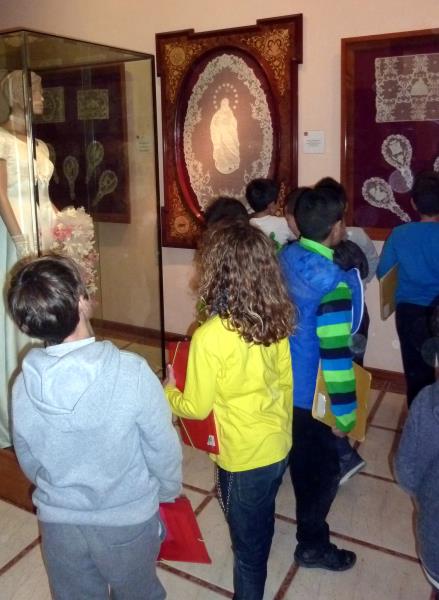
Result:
{"points": [[292, 198], [43, 297], [332, 187], [260, 193], [348, 255], [317, 211], [224, 208], [425, 193]]}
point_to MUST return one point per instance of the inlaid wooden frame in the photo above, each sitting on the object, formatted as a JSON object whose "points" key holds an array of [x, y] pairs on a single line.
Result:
{"points": [[229, 114], [389, 115]]}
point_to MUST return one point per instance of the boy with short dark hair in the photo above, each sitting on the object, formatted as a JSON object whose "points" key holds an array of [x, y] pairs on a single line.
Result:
{"points": [[93, 431], [261, 194], [329, 302], [355, 250], [414, 248]]}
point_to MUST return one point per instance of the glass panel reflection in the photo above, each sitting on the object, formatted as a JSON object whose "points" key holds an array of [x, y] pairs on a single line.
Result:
{"points": [[77, 163]]}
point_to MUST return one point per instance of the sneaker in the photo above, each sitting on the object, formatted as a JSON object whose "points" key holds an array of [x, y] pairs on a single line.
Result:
{"points": [[349, 465], [332, 559]]}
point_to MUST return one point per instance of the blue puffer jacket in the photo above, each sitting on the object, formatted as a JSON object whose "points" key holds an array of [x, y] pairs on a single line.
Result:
{"points": [[309, 277]]}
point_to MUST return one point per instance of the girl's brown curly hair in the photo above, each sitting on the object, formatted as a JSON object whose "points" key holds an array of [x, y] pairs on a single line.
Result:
{"points": [[240, 280]]}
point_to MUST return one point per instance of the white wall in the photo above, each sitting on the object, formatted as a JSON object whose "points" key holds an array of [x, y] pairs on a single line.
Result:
{"points": [[133, 23]]}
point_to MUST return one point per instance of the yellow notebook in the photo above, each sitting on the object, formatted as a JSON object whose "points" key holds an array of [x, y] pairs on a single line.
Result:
{"points": [[388, 285], [321, 408]]}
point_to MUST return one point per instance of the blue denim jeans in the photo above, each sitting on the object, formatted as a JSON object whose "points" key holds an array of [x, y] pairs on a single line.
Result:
{"points": [[248, 500], [97, 563]]}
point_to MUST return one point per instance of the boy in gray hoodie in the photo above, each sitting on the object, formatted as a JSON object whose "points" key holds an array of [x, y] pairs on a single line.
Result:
{"points": [[93, 431]]}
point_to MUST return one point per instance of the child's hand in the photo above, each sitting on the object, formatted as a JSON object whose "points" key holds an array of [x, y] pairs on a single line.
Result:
{"points": [[170, 377], [338, 432]]}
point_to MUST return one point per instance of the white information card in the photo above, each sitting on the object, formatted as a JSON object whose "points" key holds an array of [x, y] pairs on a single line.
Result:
{"points": [[314, 142]]}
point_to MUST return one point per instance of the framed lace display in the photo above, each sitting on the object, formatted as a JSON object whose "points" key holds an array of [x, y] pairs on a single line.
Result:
{"points": [[389, 114], [85, 120], [229, 115]]}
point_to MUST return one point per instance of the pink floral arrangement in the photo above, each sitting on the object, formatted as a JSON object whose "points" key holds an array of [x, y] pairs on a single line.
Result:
{"points": [[74, 236]]}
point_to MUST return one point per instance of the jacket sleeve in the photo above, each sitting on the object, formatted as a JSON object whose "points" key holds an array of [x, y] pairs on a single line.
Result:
{"points": [[387, 259], [286, 377], [334, 324], [197, 399], [160, 444], [408, 468]]}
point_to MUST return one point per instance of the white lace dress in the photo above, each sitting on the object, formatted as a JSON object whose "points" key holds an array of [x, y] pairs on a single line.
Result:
{"points": [[14, 151]]}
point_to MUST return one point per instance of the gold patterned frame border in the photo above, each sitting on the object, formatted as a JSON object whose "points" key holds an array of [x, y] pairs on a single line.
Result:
{"points": [[276, 45]]}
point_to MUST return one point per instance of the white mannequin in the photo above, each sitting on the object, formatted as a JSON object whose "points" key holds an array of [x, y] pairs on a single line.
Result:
{"points": [[16, 212], [18, 231], [17, 238]]}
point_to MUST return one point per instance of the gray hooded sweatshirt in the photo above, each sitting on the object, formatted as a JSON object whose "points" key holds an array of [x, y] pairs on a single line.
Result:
{"points": [[417, 470], [93, 431]]}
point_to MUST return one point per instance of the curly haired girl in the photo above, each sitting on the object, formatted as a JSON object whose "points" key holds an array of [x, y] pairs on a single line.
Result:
{"points": [[240, 367]]}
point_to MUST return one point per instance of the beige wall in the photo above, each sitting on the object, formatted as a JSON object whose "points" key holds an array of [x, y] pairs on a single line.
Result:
{"points": [[133, 23]]}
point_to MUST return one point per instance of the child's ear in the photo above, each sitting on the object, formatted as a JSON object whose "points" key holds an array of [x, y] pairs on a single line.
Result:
{"points": [[85, 307], [272, 208], [338, 232]]}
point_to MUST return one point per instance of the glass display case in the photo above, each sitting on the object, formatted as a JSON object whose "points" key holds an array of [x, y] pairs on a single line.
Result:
{"points": [[78, 174]]}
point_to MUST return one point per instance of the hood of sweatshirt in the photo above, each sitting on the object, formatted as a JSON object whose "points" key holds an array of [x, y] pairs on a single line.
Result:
{"points": [[70, 383]]}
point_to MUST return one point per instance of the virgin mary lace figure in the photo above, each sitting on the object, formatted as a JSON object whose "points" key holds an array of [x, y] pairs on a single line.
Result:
{"points": [[225, 141]]}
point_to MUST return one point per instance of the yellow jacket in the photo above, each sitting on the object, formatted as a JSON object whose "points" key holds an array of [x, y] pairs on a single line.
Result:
{"points": [[249, 388]]}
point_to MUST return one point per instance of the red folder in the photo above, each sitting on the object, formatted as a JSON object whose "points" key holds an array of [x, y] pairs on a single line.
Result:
{"points": [[198, 434], [183, 541], [178, 357]]}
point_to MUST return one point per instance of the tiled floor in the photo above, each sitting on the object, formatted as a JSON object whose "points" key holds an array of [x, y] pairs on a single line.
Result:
{"points": [[371, 516]]}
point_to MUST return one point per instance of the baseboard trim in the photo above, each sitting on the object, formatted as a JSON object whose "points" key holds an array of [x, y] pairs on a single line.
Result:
{"points": [[133, 333], [395, 381]]}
